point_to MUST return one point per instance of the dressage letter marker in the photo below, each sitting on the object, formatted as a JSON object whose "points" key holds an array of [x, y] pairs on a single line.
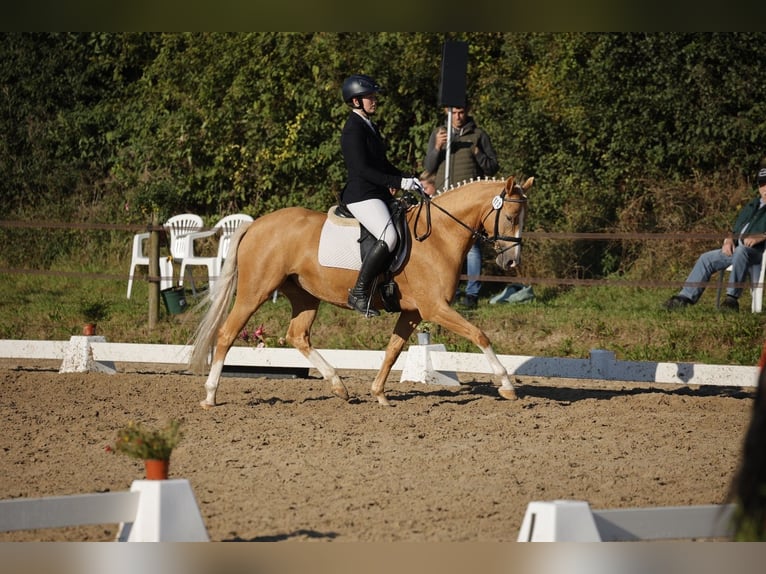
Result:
{"points": [[453, 82]]}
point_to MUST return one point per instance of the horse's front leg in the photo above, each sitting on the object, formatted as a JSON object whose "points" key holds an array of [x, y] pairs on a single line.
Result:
{"points": [[450, 319], [404, 327], [506, 389]]}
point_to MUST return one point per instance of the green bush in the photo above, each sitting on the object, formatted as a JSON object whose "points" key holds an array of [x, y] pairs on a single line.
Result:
{"points": [[639, 131]]}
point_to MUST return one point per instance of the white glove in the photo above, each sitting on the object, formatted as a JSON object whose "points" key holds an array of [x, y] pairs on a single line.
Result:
{"points": [[412, 183]]}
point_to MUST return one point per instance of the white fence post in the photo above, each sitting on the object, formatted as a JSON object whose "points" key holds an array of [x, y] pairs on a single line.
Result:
{"points": [[558, 521], [418, 367], [167, 512], [574, 521], [78, 357]]}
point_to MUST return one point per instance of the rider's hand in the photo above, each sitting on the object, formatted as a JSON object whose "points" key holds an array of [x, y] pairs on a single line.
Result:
{"points": [[412, 183]]}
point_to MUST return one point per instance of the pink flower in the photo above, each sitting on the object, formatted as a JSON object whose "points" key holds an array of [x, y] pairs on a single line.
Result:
{"points": [[260, 331]]}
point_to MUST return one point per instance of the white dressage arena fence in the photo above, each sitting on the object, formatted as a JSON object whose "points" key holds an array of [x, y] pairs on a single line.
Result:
{"points": [[575, 521], [152, 511], [430, 364]]}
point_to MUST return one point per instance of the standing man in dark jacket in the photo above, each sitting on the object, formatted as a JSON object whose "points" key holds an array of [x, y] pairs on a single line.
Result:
{"points": [[371, 183], [471, 156], [742, 249]]}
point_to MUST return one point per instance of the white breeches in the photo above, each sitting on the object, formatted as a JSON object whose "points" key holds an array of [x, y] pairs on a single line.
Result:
{"points": [[374, 215]]}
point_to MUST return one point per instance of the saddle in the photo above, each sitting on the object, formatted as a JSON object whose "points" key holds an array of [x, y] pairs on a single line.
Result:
{"points": [[367, 240], [388, 287]]}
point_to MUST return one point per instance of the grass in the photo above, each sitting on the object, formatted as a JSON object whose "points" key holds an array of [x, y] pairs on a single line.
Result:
{"points": [[560, 322]]}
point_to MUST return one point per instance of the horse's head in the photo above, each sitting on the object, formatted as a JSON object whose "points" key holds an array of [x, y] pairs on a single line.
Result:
{"points": [[504, 224]]}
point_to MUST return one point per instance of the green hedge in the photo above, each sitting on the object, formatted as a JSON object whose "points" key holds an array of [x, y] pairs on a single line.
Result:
{"points": [[112, 126]]}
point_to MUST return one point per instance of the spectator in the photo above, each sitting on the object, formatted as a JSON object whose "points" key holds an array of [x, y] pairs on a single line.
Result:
{"points": [[741, 249], [428, 180], [471, 156]]}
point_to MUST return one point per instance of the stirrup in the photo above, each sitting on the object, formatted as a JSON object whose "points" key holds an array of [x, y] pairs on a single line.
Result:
{"points": [[363, 305]]}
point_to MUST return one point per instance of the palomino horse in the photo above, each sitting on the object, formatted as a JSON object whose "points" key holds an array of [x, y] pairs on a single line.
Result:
{"points": [[279, 251]]}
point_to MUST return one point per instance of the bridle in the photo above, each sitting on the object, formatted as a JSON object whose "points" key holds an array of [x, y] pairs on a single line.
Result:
{"points": [[477, 234], [498, 210]]}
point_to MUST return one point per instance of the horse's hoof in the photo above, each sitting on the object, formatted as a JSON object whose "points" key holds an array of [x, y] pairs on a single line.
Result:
{"points": [[341, 393], [509, 394], [206, 405], [383, 400]]}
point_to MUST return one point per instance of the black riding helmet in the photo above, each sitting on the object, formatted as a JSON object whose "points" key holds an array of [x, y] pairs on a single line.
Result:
{"points": [[357, 86]]}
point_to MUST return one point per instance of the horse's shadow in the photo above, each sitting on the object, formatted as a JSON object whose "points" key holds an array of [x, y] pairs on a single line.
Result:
{"points": [[469, 392], [479, 390], [301, 534], [272, 401]]}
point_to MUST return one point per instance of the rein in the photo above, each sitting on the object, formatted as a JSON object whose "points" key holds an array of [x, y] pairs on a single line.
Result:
{"points": [[475, 233]]}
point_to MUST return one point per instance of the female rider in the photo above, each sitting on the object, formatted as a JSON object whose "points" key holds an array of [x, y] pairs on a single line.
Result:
{"points": [[371, 182]]}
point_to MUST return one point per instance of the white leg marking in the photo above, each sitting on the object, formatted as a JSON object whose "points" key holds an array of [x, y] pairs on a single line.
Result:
{"points": [[329, 373], [327, 370], [497, 368], [211, 385]]}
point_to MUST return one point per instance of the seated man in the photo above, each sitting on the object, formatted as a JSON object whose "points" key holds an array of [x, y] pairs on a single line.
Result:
{"points": [[742, 249]]}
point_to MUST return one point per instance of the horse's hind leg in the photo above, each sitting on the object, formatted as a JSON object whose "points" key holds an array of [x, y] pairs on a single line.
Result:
{"points": [[404, 327], [237, 319], [299, 335]]}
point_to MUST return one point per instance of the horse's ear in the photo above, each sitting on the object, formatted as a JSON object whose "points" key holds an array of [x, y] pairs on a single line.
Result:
{"points": [[528, 183], [509, 183]]}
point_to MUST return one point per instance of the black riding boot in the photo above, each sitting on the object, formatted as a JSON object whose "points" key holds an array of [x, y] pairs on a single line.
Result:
{"points": [[373, 265]]}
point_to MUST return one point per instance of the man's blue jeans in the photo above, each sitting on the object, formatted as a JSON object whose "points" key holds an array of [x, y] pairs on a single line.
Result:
{"points": [[711, 262], [473, 269]]}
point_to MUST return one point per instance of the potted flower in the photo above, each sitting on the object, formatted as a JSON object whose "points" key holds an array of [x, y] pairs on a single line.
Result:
{"points": [[92, 311], [153, 446], [424, 332], [259, 338]]}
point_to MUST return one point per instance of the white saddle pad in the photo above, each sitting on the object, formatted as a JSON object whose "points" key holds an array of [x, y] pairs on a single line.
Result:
{"points": [[339, 242]]}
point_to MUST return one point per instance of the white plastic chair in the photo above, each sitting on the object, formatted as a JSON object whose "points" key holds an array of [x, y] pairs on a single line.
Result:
{"points": [[226, 228], [757, 273], [140, 257], [178, 228]]}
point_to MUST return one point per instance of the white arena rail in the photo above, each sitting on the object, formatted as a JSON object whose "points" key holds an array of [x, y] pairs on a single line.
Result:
{"points": [[574, 521], [421, 363], [152, 511]]}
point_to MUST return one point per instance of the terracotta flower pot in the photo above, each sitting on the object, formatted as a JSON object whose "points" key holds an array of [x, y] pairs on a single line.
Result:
{"points": [[89, 329], [156, 469]]}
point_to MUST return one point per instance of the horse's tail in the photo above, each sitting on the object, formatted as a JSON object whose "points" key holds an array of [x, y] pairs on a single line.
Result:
{"points": [[219, 298]]}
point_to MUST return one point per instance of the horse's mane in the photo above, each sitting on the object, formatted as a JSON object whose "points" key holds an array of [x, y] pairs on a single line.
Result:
{"points": [[460, 184]]}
